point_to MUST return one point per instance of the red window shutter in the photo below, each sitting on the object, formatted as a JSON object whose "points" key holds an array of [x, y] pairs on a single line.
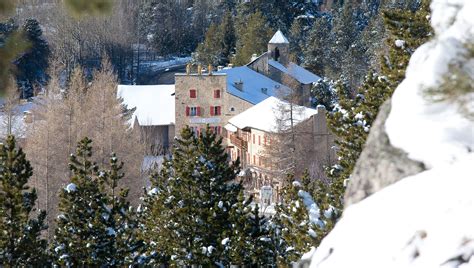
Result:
{"points": [[192, 93], [258, 139], [219, 130], [218, 110], [265, 140], [254, 161], [217, 94], [198, 111], [187, 110], [211, 110], [253, 138]]}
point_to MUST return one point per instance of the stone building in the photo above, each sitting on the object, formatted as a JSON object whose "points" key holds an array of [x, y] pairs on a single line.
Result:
{"points": [[276, 64], [253, 132], [213, 98], [153, 117]]}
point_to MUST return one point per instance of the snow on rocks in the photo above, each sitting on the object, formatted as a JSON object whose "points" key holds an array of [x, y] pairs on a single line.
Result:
{"points": [[71, 187], [397, 227], [435, 132], [400, 43], [423, 220]]}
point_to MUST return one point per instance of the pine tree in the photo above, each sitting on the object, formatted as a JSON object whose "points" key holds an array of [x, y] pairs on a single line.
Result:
{"points": [[95, 226], [295, 227], [323, 93], [20, 239], [33, 64], [253, 36], [121, 221], [186, 213], [407, 31], [354, 115], [248, 242], [316, 53]]}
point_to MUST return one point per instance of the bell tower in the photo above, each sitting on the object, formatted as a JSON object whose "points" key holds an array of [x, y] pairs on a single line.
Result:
{"points": [[279, 48]]}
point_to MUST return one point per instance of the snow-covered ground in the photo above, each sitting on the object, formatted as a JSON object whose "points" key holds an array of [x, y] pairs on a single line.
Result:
{"points": [[425, 220], [155, 66]]}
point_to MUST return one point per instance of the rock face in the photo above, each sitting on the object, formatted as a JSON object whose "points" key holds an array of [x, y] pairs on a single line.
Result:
{"points": [[380, 164]]}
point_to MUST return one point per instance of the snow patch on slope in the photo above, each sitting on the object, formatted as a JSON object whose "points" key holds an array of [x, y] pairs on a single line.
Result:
{"points": [[422, 221], [435, 133]]}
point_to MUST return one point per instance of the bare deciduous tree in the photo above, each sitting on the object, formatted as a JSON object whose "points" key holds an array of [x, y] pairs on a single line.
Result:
{"points": [[85, 109]]}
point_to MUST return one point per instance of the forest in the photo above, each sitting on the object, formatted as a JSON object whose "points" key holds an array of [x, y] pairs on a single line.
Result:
{"points": [[73, 191]]}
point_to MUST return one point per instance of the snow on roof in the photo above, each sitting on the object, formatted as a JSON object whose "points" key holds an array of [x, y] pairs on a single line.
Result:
{"points": [[297, 72], [278, 38], [256, 87], [267, 115], [154, 104]]}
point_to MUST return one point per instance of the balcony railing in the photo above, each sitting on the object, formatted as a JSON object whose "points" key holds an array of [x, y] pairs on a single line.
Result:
{"points": [[239, 142]]}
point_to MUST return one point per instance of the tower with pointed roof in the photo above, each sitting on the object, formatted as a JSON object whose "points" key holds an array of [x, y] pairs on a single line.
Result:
{"points": [[279, 48]]}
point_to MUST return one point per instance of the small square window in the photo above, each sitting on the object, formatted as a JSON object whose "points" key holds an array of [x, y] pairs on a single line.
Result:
{"points": [[192, 93]]}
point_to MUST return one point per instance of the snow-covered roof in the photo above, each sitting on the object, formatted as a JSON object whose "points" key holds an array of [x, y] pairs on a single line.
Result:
{"points": [[154, 104], [279, 38], [267, 115], [297, 72], [256, 87]]}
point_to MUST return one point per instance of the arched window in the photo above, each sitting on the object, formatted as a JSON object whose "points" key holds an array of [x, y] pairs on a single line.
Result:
{"points": [[277, 54]]}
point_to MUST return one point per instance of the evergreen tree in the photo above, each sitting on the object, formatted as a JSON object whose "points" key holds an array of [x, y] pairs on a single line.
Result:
{"points": [[33, 64], [187, 212], [218, 44], [353, 116], [20, 237], [253, 37], [316, 53], [296, 224], [95, 226], [121, 221], [248, 242], [407, 31], [323, 93]]}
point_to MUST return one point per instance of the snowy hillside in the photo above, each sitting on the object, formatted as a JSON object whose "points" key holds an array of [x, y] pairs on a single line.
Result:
{"points": [[425, 220]]}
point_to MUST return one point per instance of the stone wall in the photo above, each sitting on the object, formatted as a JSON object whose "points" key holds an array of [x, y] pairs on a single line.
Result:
{"points": [[205, 85]]}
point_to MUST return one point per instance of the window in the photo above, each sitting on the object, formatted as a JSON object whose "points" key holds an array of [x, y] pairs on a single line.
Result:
{"points": [[265, 140], [217, 94], [193, 111], [254, 160], [216, 130], [192, 93], [248, 157], [215, 110], [232, 109], [260, 161], [195, 131], [253, 138], [258, 139]]}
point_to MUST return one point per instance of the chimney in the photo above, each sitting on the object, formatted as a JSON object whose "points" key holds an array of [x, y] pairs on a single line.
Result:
{"points": [[239, 85], [188, 68], [230, 65], [220, 68], [199, 69]]}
